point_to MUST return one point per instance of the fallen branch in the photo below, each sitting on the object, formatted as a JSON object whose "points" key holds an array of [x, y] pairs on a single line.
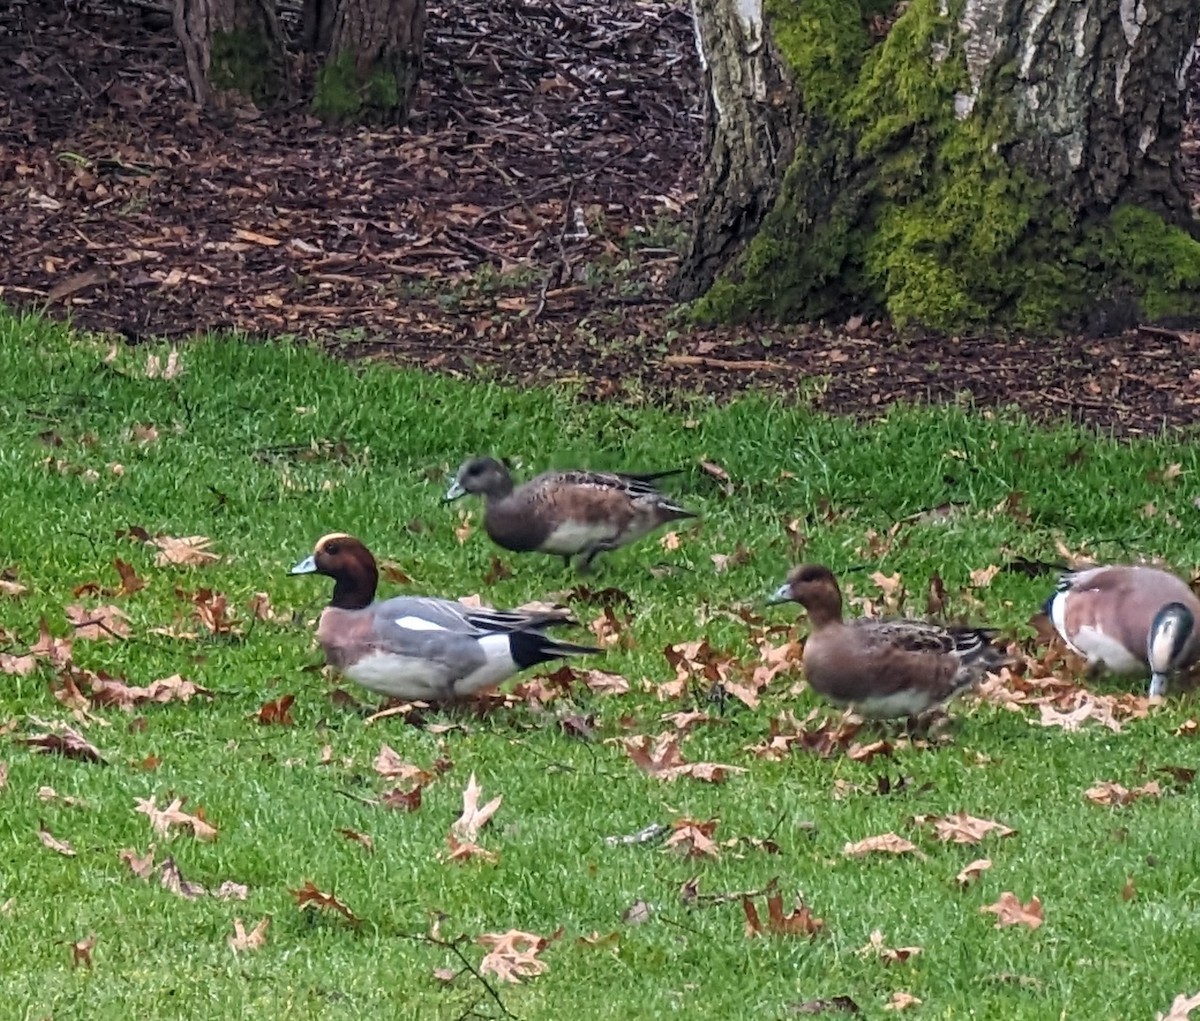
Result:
{"points": [[721, 363]]}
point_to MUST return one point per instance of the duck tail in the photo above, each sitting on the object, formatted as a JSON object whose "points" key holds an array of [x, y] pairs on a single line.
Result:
{"points": [[984, 659], [529, 648]]}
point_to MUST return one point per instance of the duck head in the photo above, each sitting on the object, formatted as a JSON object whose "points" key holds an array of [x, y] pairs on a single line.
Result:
{"points": [[815, 588], [349, 563], [1165, 645], [484, 475]]}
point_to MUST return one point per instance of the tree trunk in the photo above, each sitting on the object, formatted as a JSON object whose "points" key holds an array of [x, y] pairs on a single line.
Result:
{"points": [[372, 57], [952, 163], [232, 47]]}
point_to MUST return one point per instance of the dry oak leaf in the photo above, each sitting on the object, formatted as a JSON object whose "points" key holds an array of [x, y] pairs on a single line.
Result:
{"points": [[308, 896], [19, 666], [162, 819], [255, 939], [801, 921], [3, 775], [140, 866], [401, 800], [1073, 720], [467, 826], [464, 850], [969, 873], [886, 843], [278, 712], [661, 758], [669, 541], [188, 551], [12, 589], [603, 683], [967, 829], [106, 691], [172, 879], [81, 951], [68, 743], [513, 956], [877, 948], [100, 622], [52, 842], [362, 839], [983, 577], [1010, 911], [901, 1001], [1103, 792], [388, 763], [693, 839], [1181, 1008]]}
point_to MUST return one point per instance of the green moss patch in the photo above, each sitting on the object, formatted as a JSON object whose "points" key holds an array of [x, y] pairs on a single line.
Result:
{"points": [[376, 92], [894, 205]]}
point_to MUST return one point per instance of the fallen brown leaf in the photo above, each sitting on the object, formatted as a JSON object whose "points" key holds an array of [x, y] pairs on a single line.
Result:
{"points": [[188, 551], [661, 758], [81, 951], [255, 939], [693, 839], [1103, 792], [513, 956], [68, 743], [466, 828], [1010, 911], [800, 922], [967, 829], [973, 871], [309, 897], [140, 866], [362, 839], [99, 622], [637, 913], [163, 819], [172, 879], [885, 843], [63, 847], [1181, 1009], [278, 712], [901, 1001], [877, 948]]}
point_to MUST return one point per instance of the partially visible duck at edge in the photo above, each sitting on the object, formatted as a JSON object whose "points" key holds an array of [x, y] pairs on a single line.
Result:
{"points": [[566, 513], [881, 668], [417, 647], [1128, 619]]}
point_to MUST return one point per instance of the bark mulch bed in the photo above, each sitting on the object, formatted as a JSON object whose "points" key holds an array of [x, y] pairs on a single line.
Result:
{"points": [[528, 219]]}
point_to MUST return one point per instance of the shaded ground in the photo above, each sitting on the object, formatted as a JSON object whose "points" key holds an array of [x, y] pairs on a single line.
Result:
{"points": [[528, 219]]}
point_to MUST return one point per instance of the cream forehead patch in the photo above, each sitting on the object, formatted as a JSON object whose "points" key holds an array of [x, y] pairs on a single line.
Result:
{"points": [[330, 537]]}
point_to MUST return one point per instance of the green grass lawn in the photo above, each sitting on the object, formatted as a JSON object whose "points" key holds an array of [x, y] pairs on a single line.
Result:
{"points": [[265, 448]]}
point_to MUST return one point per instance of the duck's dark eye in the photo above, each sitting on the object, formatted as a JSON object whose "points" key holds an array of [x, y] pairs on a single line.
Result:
{"points": [[331, 548]]}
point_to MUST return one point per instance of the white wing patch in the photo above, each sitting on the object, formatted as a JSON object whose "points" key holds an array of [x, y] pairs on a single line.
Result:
{"points": [[418, 624]]}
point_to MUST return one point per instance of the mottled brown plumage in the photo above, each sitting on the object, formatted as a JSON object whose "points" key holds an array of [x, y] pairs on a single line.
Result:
{"points": [[883, 668], [566, 513]]}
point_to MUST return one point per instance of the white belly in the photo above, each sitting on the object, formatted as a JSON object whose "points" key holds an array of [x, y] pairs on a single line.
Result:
{"points": [[886, 707], [573, 536], [400, 676], [1099, 648]]}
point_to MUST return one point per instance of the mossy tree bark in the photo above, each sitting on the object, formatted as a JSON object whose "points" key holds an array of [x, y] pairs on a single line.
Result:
{"points": [[372, 55], [232, 47], [953, 163]]}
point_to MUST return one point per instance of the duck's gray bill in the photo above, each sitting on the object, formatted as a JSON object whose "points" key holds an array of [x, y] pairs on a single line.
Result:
{"points": [[783, 594], [454, 492], [306, 566]]}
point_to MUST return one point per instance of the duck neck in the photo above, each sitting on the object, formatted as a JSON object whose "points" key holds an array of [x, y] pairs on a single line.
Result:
{"points": [[354, 588], [825, 611], [499, 490]]}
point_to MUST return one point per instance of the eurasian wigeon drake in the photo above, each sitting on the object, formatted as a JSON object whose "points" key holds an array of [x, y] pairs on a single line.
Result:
{"points": [[880, 668], [1128, 619], [417, 647], [566, 512]]}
